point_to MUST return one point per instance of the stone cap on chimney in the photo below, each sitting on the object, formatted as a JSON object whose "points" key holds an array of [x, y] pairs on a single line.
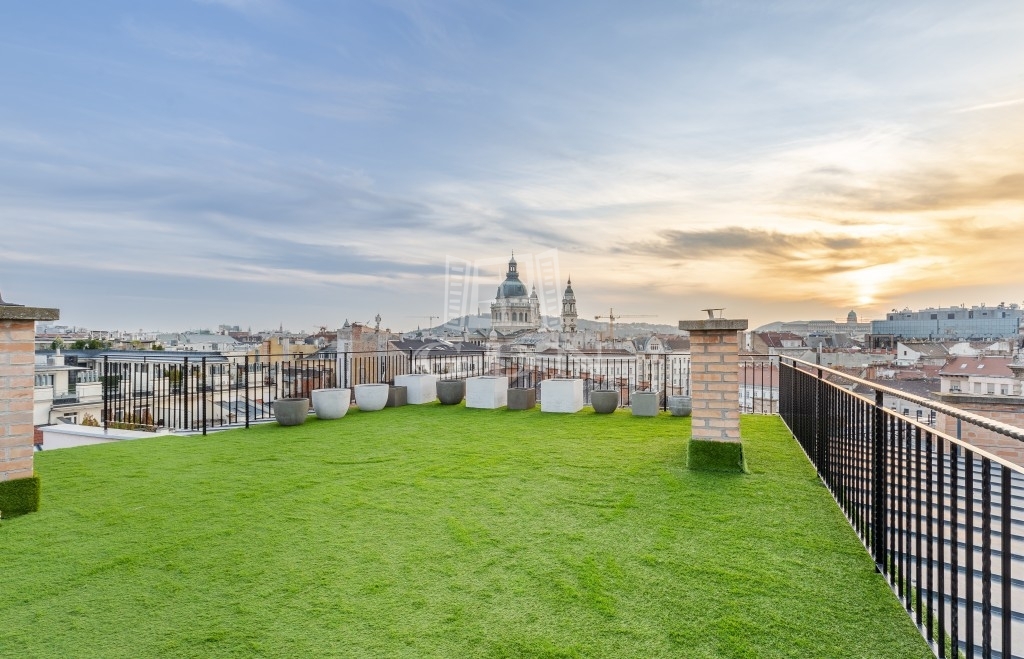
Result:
{"points": [[12, 312], [713, 325]]}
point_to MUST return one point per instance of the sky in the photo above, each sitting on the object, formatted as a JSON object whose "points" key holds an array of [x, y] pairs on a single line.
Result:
{"points": [[191, 163]]}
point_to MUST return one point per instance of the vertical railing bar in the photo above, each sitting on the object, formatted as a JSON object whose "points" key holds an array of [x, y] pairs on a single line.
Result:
{"points": [[918, 523], [986, 558], [929, 478], [941, 464], [1006, 569], [954, 548], [969, 547]]}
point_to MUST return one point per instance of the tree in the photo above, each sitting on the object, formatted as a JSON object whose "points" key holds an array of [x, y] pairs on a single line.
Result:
{"points": [[57, 344]]}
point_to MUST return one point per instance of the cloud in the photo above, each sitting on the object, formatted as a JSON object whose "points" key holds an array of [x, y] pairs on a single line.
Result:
{"points": [[990, 106], [191, 46]]}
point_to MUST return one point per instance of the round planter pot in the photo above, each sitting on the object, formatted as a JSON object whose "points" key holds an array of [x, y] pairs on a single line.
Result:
{"points": [[331, 403], [604, 402], [451, 392], [680, 405], [371, 397], [291, 411]]}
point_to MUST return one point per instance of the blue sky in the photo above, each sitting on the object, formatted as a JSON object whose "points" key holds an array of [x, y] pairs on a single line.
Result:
{"points": [[253, 162]]}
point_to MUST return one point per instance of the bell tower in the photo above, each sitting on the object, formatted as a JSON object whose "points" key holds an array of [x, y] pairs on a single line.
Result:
{"points": [[569, 309]]}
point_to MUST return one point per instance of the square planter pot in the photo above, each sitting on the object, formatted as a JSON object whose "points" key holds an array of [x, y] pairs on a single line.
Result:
{"points": [[397, 397], [563, 395], [420, 387], [487, 392], [291, 411], [644, 403], [522, 398], [331, 403], [451, 392], [680, 405], [604, 402], [371, 397]]}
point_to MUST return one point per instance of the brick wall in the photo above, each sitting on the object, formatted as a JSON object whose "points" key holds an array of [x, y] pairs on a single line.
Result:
{"points": [[714, 357], [17, 382]]}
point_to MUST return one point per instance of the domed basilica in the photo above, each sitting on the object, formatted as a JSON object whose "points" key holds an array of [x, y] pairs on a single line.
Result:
{"points": [[513, 310]]}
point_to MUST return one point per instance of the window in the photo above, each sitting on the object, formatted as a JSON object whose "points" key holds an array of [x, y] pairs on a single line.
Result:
{"points": [[950, 316], [991, 388], [977, 387], [934, 316], [1004, 389]]}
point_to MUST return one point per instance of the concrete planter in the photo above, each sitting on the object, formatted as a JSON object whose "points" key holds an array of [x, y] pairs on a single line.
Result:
{"points": [[487, 392], [680, 405], [420, 387], [604, 402], [521, 398], [564, 395], [644, 403], [331, 403], [291, 411], [451, 392], [371, 397], [397, 397]]}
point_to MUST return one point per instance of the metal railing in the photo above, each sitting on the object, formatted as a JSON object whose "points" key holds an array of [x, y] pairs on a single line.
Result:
{"points": [[196, 393], [943, 519]]}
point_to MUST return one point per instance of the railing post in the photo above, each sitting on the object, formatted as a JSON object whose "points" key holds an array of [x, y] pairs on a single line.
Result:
{"points": [[246, 379], [202, 392], [106, 393], [819, 430], [878, 493], [185, 375]]}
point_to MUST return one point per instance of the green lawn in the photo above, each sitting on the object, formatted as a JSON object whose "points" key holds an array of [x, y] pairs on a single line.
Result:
{"points": [[446, 532]]}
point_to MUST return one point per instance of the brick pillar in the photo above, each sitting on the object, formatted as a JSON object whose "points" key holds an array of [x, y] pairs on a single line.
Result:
{"points": [[17, 384], [714, 357]]}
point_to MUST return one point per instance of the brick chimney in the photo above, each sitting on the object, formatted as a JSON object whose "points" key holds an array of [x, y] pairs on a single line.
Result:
{"points": [[17, 384], [714, 362]]}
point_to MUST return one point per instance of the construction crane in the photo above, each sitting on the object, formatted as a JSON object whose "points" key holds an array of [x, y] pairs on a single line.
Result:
{"points": [[429, 318], [612, 318]]}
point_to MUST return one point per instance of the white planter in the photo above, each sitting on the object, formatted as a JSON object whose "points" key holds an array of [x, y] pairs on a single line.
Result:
{"points": [[371, 397], [563, 395], [331, 403], [420, 387], [487, 392]]}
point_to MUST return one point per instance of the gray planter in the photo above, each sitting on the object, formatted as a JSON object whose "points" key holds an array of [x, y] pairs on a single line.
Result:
{"points": [[291, 411], [331, 403], [451, 392], [521, 398], [604, 402], [644, 403], [680, 405], [397, 397]]}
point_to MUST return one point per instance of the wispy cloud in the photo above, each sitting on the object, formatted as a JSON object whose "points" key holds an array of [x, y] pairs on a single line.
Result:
{"points": [[192, 46], [990, 106]]}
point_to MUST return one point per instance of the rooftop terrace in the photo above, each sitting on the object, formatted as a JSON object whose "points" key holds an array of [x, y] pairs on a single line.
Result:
{"points": [[443, 531]]}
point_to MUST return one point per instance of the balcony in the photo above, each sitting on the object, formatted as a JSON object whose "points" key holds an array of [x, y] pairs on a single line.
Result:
{"points": [[445, 531]]}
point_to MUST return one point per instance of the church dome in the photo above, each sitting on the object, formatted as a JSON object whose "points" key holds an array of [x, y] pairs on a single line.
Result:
{"points": [[512, 287]]}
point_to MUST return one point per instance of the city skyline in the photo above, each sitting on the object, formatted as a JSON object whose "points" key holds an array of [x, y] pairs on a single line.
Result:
{"points": [[254, 162]]}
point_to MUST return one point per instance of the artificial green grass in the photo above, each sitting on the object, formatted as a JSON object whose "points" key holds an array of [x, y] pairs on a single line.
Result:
{"points": [[704, 455], [19, 496], [430, 531]]}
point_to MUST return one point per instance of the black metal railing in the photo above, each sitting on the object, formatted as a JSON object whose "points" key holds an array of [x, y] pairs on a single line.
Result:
{"points": [[942, 518], [198, 392], [666, 374]]}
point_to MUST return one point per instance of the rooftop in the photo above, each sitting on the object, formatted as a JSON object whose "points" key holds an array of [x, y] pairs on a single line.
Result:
{"points": [[443, 531]]}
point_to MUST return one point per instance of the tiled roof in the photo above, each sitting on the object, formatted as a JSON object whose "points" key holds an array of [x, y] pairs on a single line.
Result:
{"points": [[998, 367]]}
